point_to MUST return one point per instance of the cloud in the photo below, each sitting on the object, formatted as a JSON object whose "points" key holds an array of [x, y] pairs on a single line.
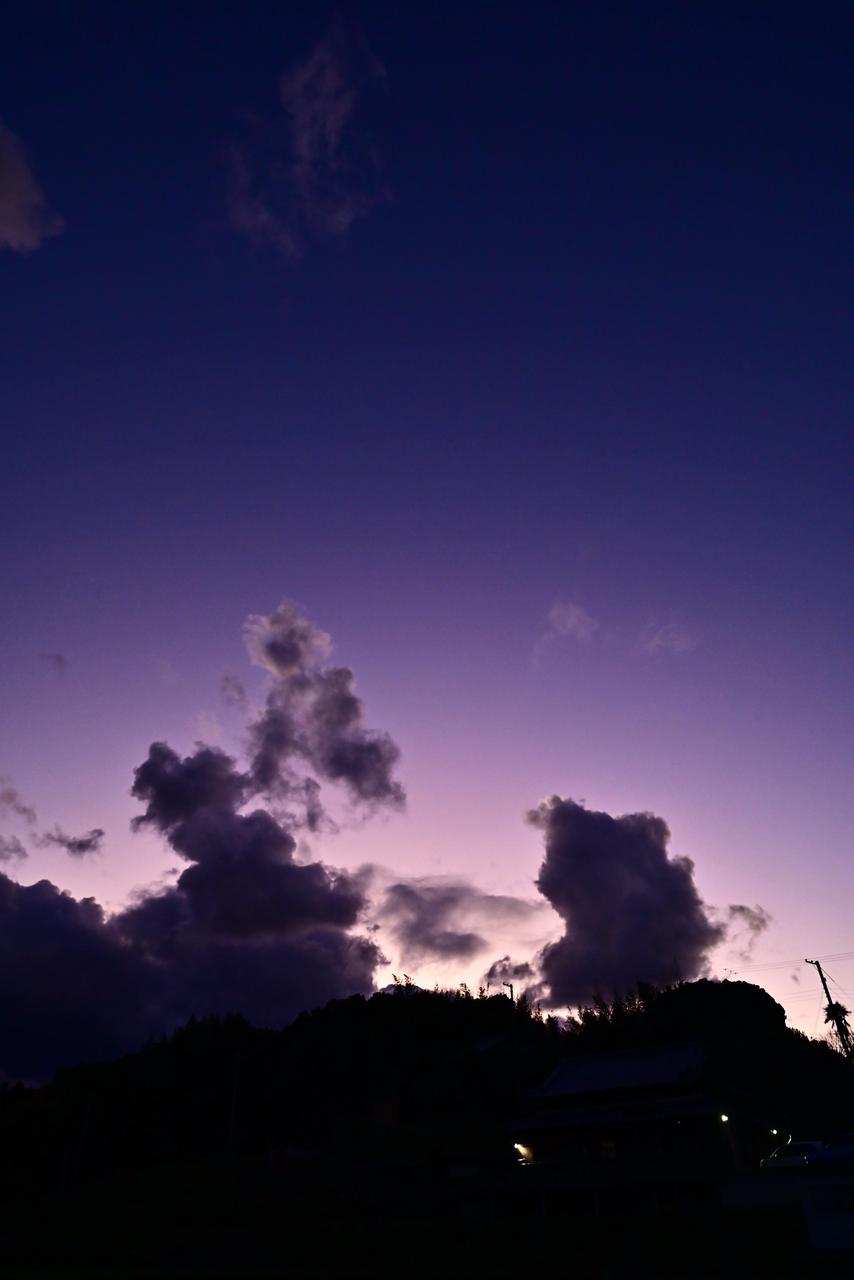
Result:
{"points": [[11, 849], [26, 221], [233, 690], [745, 925], [567, 620], [313, 719], [437, 918], [12, 803], [71, 989], [632, 913], [312, 173], [669, 637], [58, 661], [246, 927], [77, 846], [506, 970]]}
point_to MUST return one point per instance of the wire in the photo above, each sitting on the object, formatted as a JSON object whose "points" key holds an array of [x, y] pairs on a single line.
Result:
{"points": [[794, 963]]}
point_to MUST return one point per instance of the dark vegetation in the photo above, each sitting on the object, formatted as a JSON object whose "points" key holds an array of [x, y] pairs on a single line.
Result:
{"points": [[344, 1143]]}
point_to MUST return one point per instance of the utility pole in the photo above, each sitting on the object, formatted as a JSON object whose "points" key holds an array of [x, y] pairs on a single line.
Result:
{"points": [[835, 1012], [510, 985]]}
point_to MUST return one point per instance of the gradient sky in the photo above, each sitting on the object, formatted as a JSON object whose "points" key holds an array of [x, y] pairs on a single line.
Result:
{"points": [[544, 414]]}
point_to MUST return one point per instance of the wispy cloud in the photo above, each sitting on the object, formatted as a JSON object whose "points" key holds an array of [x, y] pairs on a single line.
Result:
{"points": [[77, 846], [567, 620], [745, 926], [26, 219], [12, 803], [669, 637], [11, 849], [311, 173]]}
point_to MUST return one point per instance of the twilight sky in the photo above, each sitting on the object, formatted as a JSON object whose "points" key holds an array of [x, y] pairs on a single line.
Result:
{"points": [[513, 344]]}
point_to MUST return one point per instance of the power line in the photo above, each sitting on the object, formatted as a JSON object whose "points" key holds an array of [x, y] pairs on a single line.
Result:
{"points": [[789, 964]]}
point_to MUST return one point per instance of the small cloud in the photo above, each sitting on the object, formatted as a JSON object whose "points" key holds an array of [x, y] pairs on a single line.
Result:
{"points": [[745, 925], [311, 173], [12, 803], [58, 661], [504, 971], [567, 620], [11, 849], [26, 221], [77, 846], [233, 690], [669, 637]]}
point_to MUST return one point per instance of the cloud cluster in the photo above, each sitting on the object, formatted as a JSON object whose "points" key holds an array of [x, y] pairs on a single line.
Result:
{"points": [[632, 912], [312, 174], [246, 927], [250, 925], [26, 220]]}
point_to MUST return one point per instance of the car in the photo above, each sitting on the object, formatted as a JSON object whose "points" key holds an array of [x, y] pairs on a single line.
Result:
{"points": [[793, 1155]]}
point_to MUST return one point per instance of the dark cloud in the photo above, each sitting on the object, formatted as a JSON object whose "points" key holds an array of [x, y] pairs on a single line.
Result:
{"points": [[78, 986], [246, 927], [745, 925], [420, 915], [507, 970], [26, 221], [11, 803], [77, 846], [58, 661], [434, 918], [176, 791], [313, 720], [71, 990], [310, 173], [632, 912], [11, 849]]}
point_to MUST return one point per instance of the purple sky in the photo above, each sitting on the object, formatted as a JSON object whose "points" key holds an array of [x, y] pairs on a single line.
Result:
{"points": [[521, 363]]}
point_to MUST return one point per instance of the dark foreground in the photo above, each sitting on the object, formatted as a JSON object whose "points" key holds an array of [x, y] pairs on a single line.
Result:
{"points": [[387, 1138], [192, 1223]]}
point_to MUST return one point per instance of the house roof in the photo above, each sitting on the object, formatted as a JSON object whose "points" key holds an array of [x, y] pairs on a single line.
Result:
{"points": [[672, 1064]]}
